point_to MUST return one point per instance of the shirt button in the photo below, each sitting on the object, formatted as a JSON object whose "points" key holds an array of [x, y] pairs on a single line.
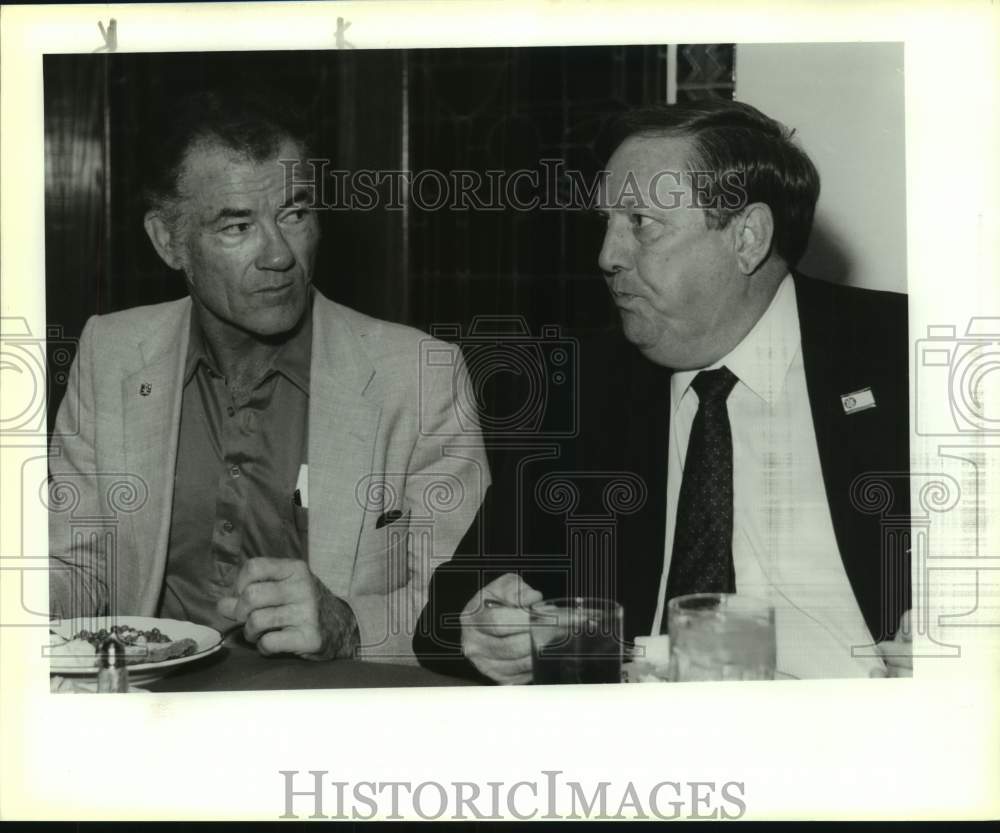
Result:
{"points": [[227, 526], [234, 471]]}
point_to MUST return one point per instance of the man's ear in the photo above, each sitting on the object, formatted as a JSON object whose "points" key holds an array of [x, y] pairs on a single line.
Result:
{"points": [[161, 235], [755, 232]]}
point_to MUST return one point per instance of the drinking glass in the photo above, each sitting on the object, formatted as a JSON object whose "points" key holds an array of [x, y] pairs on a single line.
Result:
{"points": [[721, 636], [576, 640]]}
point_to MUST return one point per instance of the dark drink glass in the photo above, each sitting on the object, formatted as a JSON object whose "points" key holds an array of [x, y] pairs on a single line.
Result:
{"points": [[576, 640]]}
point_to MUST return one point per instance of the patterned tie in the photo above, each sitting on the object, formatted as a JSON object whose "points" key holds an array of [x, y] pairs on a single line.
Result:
{"points": [[702, 560]]}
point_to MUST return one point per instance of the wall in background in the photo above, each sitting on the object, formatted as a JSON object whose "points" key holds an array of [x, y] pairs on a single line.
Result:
{"points": [[846, 102]]}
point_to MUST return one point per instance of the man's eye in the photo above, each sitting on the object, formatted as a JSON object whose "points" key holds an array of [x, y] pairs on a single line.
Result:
{"points": [[295, 216], [236, 229], [640, 221]]}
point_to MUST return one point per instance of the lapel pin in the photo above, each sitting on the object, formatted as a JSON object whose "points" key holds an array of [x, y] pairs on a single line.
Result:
{"points": [[860, 400], [145, 389]]}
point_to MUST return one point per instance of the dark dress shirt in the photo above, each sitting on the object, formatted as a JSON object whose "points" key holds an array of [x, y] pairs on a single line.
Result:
{"points": [[238, 461]]}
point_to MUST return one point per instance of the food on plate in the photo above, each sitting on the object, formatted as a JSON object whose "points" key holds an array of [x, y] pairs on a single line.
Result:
{"points": [[81, 651]]}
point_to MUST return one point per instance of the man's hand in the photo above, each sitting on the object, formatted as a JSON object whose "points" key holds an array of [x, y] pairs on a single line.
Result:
{"points": [[286, 609], [495, 635], [898, 652]]}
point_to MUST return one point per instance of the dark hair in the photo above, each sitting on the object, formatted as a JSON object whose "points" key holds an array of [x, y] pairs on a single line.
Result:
{"points": [[252, 125], [729, 136]]}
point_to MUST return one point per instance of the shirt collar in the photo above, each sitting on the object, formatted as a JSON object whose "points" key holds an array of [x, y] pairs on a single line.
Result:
{"points": [[197, 352], [295, 356], [762, 359], [293, 360]]}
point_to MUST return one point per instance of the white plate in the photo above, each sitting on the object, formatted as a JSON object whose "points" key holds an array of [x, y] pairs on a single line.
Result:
{"points": [[208, 641]]}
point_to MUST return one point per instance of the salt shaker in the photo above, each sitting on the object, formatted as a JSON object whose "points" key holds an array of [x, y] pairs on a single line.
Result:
{"points": [[112, 675]]}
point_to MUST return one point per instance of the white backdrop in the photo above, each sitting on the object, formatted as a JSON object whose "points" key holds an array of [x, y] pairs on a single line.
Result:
{"points": [[846, 102]]}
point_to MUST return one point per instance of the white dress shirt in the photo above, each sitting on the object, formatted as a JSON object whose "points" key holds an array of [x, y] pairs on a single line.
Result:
{"points": [[784, 548]]}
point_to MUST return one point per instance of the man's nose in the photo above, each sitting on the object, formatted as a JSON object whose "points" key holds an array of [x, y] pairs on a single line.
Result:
{"points": [[275, 254], [615, 253]]}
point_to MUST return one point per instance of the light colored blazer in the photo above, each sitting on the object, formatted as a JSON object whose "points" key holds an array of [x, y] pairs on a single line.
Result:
{"points": [[392, 429]]}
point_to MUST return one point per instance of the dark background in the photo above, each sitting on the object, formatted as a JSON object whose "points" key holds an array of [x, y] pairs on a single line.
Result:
{"points": [[443, 109]]}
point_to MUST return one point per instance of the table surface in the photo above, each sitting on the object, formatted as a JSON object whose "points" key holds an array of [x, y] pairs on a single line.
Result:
{"points": [[238, 667]]}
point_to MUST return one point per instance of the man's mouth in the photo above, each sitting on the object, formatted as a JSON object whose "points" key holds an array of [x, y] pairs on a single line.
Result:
{"points": [[273, 290], [621, 297]]}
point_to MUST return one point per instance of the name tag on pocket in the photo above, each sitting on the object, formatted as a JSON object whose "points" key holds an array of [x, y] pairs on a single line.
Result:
{"points": [[859, 400]]}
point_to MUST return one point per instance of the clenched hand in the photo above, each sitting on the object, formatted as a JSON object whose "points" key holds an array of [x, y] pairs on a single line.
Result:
{"points": [[286, 609], [495, 635]]}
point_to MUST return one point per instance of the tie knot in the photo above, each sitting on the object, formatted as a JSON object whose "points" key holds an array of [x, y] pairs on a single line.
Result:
{"points": [[713, 386]]}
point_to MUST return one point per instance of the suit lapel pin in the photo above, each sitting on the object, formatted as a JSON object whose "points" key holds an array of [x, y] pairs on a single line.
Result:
{"points": [[145, 389], [860, 400]]}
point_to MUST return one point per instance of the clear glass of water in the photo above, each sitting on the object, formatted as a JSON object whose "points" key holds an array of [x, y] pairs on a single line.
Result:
{"points": [[721, 636], [576, 640]]}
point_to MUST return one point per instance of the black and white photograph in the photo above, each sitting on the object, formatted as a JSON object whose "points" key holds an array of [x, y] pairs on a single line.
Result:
{"points": [[559, 378], [313, 480]]}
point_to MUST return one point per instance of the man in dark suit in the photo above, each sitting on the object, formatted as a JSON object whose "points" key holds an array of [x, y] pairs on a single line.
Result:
{"points": [[757, 442]]}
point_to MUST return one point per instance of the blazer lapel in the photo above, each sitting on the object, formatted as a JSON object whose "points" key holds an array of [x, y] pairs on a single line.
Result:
{"points": [[151, 399], [839, 360], [343, 425], [825, 361]]}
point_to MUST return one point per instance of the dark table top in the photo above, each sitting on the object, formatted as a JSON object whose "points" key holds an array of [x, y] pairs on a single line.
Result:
{"points": [[238, 667]]}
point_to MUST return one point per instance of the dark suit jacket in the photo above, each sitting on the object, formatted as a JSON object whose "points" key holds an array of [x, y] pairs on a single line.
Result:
{"points": [[589, 518]]}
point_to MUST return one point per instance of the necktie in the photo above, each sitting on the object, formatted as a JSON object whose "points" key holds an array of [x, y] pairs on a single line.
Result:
{"points": [[702, 560]]}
